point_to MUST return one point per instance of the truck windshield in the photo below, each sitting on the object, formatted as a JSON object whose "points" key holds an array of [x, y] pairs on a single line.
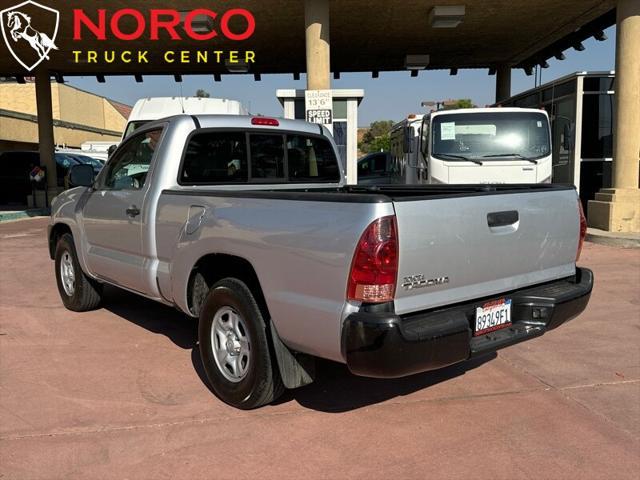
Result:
{"points": [[490, 136]]}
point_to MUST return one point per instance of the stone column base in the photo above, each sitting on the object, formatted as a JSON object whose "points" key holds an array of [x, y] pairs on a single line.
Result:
{"points": [[615, 210]]}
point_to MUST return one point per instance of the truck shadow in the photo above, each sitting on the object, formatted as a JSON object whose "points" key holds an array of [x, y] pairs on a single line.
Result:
{"points": [[335, 389], [153, 316]]}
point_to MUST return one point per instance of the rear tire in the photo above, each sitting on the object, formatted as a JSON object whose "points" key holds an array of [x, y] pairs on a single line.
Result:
{"points": [[77, 291], [235, 347]]}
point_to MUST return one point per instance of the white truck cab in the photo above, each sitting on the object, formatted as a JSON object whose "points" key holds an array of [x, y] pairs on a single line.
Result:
{"points": [[472, 146], [154, 108]]}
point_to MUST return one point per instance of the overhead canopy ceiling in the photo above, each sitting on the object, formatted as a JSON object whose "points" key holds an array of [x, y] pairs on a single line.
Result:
{"points": [[366, 35]]}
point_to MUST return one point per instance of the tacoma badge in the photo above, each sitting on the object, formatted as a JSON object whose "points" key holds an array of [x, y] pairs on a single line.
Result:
{"points": [[418, 281]]}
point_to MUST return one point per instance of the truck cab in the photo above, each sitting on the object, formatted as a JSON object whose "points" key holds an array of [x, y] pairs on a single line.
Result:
{"points": [[472, 146]]}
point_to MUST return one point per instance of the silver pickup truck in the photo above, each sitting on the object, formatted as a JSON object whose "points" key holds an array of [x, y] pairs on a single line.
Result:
{"points": [[246, 223]]}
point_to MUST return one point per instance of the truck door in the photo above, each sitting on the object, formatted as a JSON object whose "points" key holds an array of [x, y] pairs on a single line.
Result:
{"points": [[114, 215]]}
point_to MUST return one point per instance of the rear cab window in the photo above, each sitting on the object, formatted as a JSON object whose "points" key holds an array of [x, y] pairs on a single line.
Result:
{"points": [[267, 157], [214, 157], [311, 159]]}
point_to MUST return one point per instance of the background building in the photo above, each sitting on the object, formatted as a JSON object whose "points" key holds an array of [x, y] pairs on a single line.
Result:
{"points": [[325, 38], [78, 116], [581, 109]]}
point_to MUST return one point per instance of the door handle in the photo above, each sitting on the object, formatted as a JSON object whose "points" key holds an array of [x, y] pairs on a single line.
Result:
{"points": [[502, 219], [133, 211], [501, 223]]}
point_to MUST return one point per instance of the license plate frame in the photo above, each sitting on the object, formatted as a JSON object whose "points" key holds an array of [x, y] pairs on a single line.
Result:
{"points": [[491, 316]]}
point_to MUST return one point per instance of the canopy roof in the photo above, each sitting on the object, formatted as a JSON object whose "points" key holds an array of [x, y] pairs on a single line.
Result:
{"points": [[366, 35]]}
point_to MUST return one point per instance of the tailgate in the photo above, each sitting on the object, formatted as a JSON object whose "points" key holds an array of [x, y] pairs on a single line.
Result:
{"points": [[460, 248]]}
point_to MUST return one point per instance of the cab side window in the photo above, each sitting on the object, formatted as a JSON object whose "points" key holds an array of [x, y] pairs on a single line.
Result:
{"points": [[128, 168]]}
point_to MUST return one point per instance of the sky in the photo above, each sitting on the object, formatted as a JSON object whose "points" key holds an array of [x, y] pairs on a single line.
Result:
{"points": [[392, 96]]}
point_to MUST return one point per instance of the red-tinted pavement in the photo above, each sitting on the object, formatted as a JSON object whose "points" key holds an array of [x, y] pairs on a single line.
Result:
{"points": [[119, 393]]}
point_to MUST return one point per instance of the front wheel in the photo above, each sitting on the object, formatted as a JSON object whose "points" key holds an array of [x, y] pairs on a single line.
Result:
{"points": [[77, 291], [235, 349]]}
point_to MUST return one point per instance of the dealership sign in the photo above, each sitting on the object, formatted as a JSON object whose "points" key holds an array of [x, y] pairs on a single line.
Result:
{"points": [[319, 106], [30, 29]]}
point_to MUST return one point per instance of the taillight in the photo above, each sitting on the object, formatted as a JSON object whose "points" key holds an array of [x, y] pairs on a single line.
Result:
{"points": [[266, 121], [583, 229], [374, 269]]}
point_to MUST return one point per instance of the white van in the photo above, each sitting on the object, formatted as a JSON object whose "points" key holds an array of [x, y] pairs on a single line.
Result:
{"points": [[472, 145], [155, 108]]}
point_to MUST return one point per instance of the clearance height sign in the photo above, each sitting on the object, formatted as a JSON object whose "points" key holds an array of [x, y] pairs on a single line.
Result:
{"points": [[319, 106]]}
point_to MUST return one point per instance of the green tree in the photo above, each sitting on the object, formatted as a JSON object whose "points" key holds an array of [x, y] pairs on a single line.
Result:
{"points": [[202, 93], [459, 103], [380, 144], [377, 137]]}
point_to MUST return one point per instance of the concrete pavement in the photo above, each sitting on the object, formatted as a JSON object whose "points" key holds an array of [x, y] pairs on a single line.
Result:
{"points": [[119, 393]]}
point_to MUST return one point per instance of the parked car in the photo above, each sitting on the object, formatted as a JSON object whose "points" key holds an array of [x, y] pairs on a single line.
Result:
{"points": [[95, 163], [15, 167], [375, 168], [246, 223]]}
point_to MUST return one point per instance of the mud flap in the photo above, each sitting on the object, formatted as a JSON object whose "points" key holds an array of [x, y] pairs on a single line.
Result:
{"points": [[296, 370]]}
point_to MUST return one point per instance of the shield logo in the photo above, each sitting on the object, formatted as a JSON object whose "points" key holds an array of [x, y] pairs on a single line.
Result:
{"points": [[29, 30]]}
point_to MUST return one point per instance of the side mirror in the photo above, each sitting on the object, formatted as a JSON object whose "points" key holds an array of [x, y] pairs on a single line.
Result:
{"points": [[110, 150], [81, 175]]}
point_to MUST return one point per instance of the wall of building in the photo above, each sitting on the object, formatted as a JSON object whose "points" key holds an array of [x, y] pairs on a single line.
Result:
{"points": [[25, 131], [112, 117], [19, 98], [78, 109], [16, 130]]}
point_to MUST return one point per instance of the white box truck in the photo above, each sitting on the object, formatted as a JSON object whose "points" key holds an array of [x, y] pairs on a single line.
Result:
{"points": [[470, 146]]}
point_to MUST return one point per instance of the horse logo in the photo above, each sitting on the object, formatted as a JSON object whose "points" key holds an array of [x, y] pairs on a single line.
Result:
{"points": [[19, 34]]}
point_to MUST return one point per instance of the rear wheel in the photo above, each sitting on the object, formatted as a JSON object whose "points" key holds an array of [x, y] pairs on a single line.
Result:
{"points": [[235, 348], [77, 291]]}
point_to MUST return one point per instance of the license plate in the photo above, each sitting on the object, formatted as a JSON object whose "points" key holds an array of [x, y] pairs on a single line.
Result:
{"points": [[492, 316]]}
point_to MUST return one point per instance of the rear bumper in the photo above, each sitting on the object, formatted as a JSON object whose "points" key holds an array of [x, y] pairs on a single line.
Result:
{"points": [[386, 345]]}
